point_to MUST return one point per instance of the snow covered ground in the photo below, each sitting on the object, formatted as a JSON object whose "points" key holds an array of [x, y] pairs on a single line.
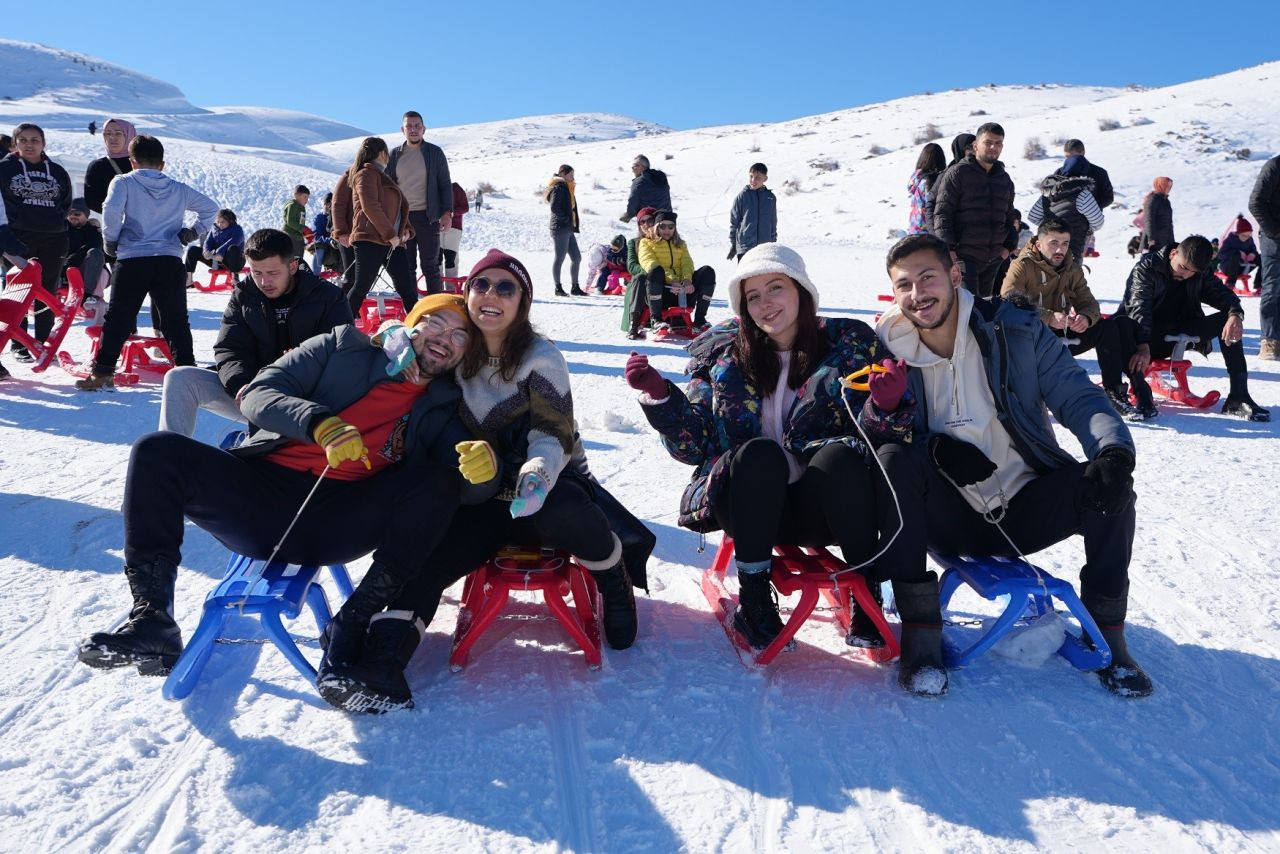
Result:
{"points": [[673, 745]]}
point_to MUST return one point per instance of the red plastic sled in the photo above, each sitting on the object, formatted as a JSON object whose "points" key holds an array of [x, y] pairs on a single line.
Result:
{"points": [[807, 571], [1240, 287], [22, 288], [553, 572], [136, 358], [376, 310], [679, 325], [220, 281], [1168, 377]]}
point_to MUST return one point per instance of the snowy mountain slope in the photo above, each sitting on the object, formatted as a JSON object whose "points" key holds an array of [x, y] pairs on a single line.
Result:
{"points": [[673, 745]]}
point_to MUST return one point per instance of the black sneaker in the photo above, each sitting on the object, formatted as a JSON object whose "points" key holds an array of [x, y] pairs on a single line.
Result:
{"points": [[1144, 405], [1119, 397], [632, 334], [561, 292], [1244, 407], [24, 356]]}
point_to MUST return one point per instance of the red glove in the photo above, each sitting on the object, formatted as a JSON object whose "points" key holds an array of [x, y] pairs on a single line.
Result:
{"points": [[642, 377], [888, 388]]}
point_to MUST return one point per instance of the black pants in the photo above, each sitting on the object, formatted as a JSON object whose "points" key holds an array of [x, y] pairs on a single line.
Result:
{"points": [[704, 285], [1045, 511], [232, 259], [49, 250], [1207, 329], [833, 501], [1105, 336], [347, 258], [1231, 266], [399, 514], [981, 277], [568, 520], [639, 299], [163, 279], [370, 258], [426, 242]]}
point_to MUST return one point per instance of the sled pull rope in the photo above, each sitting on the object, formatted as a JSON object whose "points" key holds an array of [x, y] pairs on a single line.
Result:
{"points": [[284, 536]]}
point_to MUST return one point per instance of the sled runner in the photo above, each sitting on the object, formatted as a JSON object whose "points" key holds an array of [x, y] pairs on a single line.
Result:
{"points": [[807, 571], [677, 325], [278, 590], [1031, 592], [1168, 377], [140, 353], [22, 288], [220, 281], [1240, 286], [554, 572]]}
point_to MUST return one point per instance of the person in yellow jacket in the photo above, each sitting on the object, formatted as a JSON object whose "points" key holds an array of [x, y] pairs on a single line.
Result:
{"points": [[672, 279], [1047, 276]]}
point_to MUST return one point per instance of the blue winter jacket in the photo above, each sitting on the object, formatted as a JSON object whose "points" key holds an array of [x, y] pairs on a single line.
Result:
{"points": [[222, 239], [145, 210]]}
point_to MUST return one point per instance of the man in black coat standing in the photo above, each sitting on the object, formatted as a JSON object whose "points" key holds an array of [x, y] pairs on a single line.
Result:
{"points": [[1103, 193], [974, 211], [649, 189], [1264, 204]]}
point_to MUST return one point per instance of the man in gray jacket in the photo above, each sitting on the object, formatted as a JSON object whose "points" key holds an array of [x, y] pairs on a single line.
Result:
{"points": [[379, 453], [754, 217], [142, 229], [422, 173], [983, 378]]}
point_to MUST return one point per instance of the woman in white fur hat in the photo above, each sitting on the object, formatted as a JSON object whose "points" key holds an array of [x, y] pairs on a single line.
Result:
{"points": [[778, 458]]}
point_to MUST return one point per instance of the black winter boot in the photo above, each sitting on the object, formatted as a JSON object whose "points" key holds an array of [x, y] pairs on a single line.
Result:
{"points": [[920, 668], [577, 291], [376, 683], [862, 632], [149, 638], [1144, 405], [1123, 677], [560, 291], [344, 638], [618, 600], [757, 614]]}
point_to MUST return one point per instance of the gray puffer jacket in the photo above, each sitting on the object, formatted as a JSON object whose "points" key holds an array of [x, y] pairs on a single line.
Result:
{"points": [[753, 219]]}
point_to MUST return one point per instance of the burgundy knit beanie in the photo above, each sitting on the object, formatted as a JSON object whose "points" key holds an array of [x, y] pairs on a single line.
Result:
{"points": [[497, 258]]}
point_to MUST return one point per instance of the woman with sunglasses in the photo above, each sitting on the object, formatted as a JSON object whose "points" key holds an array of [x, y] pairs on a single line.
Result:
{"points": [[672, 279], [379, 226], [517, 401], [779, 459]]}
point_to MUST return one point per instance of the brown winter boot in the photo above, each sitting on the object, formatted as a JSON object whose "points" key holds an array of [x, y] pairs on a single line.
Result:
{"points": [[1269, 350], [97, 382]]}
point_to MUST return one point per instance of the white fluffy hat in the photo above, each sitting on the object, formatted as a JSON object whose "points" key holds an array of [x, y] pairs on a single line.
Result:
{"points": [[769, 258]]}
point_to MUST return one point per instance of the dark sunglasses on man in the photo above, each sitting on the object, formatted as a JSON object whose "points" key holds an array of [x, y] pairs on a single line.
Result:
{"points": [[505, 288]]}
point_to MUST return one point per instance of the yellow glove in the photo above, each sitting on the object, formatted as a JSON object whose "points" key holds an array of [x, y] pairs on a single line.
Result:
{"points": [[476, 461], [341, 442]]}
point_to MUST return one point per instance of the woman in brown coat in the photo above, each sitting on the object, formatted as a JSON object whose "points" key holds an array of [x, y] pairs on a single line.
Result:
{"points": [[379, 226]]}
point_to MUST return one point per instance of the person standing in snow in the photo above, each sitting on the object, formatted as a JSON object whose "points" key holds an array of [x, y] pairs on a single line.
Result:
{"points": [[564, 228], [753, 219], [380, 226], [1103, 193], [421, 171], [973, 211], [35, 197], [1264, 204], [977, 449], [295, 218], [143, 229], [1157, 215], [322, 242], [1067, 195], [451, 237], [763, 420], [929, 167], [116, 136], [649, 189]]}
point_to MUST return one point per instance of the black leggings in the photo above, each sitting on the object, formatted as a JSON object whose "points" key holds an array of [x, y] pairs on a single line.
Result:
{"points": [[834, 500], [569, 520], [704, 284], [232, 259], [370, 258], [49, 250], [1207, 329]]}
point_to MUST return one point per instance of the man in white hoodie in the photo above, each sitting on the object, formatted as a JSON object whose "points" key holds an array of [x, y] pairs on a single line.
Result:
{"points": [[143, 229], [983, 377]]}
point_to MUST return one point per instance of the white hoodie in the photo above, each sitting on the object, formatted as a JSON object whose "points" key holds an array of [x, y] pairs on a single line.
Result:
{"points": [[958, 400]]}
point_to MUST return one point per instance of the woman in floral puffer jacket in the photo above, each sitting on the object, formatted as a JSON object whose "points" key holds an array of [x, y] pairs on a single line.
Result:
{"points": [[778, 458]]}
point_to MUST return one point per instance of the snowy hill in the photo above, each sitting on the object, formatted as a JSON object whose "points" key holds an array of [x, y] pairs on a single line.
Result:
{"points": [[673, 745]]}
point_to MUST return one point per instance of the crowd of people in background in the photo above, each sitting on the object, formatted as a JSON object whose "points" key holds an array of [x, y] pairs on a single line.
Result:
{"points": [[464, 409]]}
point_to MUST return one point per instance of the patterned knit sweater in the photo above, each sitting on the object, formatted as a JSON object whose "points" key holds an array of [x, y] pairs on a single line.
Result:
{"points": [[529, 420]]}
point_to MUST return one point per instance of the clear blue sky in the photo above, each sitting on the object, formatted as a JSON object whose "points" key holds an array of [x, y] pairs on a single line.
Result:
{"points": [[684, 64]]}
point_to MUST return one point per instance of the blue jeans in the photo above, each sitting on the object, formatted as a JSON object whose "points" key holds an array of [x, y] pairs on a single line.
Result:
{"points": [[1269, 251], [317, 259]]}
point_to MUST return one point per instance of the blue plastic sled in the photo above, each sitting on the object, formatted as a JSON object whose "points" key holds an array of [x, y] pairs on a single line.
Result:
{"points": [[993, 577], [273, 593]]}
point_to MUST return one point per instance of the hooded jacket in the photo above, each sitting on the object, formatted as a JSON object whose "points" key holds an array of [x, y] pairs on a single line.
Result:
{"points": [[1050, 289], [34, 198], [144, 212], [248, 339], [1264, 201], [1070, 199], [564, 206], [1008, 373], [649, 189], [721, 410], [753, 219], [973, 209], [1155, 301]]}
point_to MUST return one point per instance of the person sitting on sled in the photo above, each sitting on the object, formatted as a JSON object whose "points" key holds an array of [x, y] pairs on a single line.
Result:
{"points": [[778, 458], [516, 398], [603, 261], [383, 447], [979, 469], [1237, 253], [672, 279]]}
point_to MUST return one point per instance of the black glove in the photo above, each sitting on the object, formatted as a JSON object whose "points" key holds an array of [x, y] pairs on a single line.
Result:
{"points": [[1108, 486], [187, 235], [960, 461], [11, 245], [733, 253]]}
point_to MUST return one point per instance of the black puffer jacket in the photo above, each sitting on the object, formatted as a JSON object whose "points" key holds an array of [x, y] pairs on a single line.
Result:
{"points": [[649, 189], [1060, 192], [1157, 218], [1155, 300], [564, 208], [974, 209], [1103, 193], [249, 340], [1264, 201]]}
